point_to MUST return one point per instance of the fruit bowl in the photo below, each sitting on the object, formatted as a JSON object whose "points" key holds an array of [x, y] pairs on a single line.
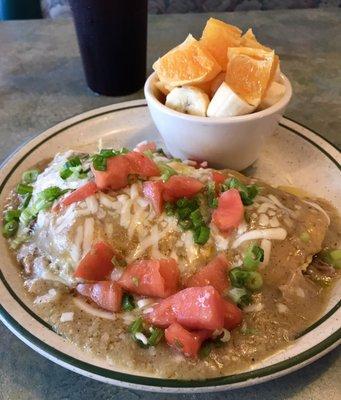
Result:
{"points": [[224, 142]]}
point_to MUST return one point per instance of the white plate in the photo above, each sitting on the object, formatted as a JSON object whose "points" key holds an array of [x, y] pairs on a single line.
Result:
{"points": [[293, 156]]}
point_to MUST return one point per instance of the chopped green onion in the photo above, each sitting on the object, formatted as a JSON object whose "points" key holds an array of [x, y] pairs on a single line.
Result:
{"points": [[136, 326], [44, 200], [183, 213], [247, 193], [155, 337], [196, 218], [254, 280], [335, 256], [236, 184], [83, 174], [27, 215], [40, 205], [236, 294], [253, 257], [190, 217], [209, 345], [305, 237], [106, 153], [26, 201], [52, 193], [211, 195], [185, 224], [10, 228], [99, 162], [128, 303], [238, 277], [166, 171], [65, 173], [73, 162], [112, 153], [201, 234], [30, 176], [332, 257], [245, 300], [169, 209], [12, 215], [23, 189], [253, 190], [205, 349], [72, 166], [184, 202], [193, 203]]}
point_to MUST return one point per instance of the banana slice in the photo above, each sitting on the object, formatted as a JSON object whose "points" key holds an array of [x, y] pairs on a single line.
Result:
{"points": [[272, 95], [226, 103], [188, 100]]}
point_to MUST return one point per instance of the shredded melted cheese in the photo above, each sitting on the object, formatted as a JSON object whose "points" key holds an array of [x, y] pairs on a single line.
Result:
{"points": [[271, 234], [96, 312]]}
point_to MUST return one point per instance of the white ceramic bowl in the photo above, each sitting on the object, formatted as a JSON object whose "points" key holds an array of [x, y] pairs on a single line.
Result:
{"points": [[230, 142]]}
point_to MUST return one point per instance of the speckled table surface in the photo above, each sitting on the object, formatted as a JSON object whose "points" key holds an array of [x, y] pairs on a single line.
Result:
{"points": [[41, 83]]}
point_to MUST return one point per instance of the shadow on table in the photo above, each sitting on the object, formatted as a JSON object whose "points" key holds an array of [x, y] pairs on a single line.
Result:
{"points": [[27, 375]]}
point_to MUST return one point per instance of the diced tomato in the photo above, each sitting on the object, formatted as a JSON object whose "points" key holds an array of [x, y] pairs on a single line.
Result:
{"points": [[145, 146], [155, 278], [218, 177], [115, 177], [152, 190], [118, 169], [185, 341], [230, 211], [106, 294], [233, 315], [179, 186], [162, 314], [142, 165], [193, 308], [96, 265], [79, 194], [214, 274]]}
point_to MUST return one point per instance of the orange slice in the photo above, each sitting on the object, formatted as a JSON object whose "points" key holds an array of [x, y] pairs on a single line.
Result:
{"points": [[249, 40], [249, 71], [217, 37], [189, 63]]}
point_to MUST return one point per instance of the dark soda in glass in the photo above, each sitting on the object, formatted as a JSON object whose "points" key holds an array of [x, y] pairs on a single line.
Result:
{"points": [[112, 37]]}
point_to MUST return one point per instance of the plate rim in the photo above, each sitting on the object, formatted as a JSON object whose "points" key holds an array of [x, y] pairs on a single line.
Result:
{"points": [[151, 383]]}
